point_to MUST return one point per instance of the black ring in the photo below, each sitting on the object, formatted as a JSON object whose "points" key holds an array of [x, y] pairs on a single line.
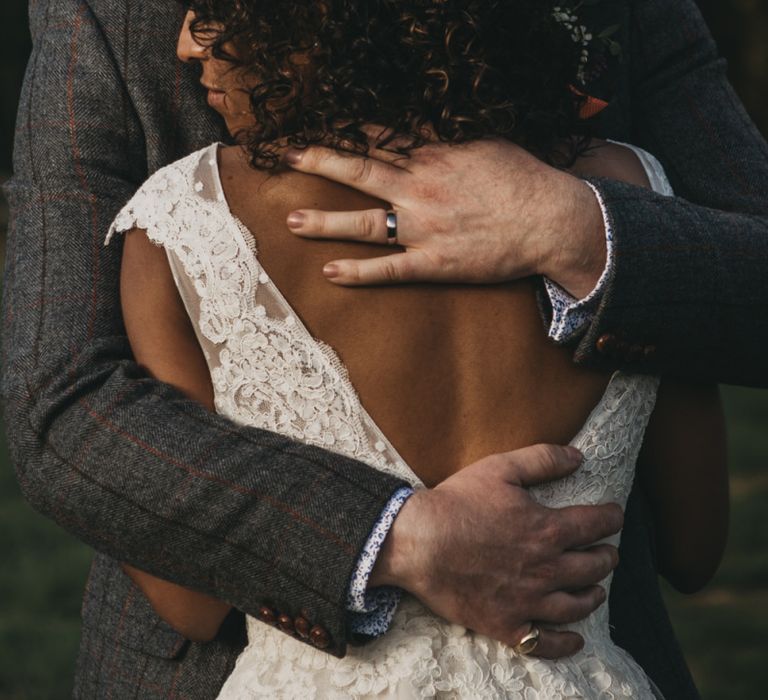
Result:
{"points": [[391, 227]]}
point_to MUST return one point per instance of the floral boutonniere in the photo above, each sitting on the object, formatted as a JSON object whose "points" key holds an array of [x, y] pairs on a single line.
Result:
{"points": [[593, 46], [597, 48]]}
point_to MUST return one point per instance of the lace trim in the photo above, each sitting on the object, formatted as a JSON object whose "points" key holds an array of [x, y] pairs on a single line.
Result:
{"points": [[657, 176], [267, 369]]}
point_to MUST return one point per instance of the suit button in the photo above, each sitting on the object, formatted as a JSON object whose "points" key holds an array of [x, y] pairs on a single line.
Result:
{"points": [[285, 623], [606, 344], [319, 637], [636, 353], [649, 351], [302, 627], [267, 615]]}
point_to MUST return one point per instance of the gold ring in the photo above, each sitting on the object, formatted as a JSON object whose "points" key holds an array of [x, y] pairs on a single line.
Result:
{"points": [[527, 645]]}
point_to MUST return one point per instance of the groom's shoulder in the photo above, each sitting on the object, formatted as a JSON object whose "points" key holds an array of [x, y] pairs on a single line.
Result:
{"points": [[117, 61], [655, 27], [148, 17], [139, 31], [632, 38]]}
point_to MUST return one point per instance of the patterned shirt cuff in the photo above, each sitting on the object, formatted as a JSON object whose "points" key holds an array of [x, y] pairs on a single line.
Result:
{"points": [[371, 611], [571, 316]]}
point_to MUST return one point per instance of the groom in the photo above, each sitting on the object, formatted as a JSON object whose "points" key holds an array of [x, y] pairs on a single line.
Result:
{"points": [[147, 477]]}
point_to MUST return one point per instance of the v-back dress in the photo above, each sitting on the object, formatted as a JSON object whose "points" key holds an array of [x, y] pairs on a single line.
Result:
{"points": [[268, 371]]}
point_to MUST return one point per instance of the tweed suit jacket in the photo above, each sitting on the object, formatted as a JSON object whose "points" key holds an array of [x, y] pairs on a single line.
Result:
{"points": [[143, 475]]}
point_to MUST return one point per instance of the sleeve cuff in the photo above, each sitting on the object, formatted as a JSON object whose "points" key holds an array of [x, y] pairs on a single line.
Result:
{"points": [[571, 316], [371, 611]]}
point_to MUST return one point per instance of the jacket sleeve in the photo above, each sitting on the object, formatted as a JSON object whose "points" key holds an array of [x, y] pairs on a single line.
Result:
{"points": [[687, 292], [126, 463]]}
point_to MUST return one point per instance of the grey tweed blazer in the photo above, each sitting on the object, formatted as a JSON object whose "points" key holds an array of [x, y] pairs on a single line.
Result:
{"points": [[143, 475]]}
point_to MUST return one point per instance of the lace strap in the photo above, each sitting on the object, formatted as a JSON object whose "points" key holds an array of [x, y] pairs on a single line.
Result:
{"points": [[657, 177], [168, 205]]}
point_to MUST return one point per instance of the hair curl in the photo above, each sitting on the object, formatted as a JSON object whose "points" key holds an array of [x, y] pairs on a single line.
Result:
{"points": [[466, 69]]}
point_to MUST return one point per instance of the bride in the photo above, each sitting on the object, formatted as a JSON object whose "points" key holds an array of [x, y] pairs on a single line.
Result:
{"points": [[220, 300]]}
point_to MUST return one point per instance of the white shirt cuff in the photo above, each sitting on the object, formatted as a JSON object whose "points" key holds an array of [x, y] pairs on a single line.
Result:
{"points": [[569, 315], [371, 611]]}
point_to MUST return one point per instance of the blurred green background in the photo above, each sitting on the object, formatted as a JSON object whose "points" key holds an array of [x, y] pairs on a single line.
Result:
{"points": [[724, 630]]}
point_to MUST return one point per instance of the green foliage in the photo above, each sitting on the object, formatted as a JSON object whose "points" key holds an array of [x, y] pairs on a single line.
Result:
{"points": [[41, 584], [724, 629], [14, 50]]}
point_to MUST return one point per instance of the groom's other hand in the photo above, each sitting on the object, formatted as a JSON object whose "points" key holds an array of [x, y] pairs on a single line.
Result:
{"points": [[479, 551], [481, 212]]}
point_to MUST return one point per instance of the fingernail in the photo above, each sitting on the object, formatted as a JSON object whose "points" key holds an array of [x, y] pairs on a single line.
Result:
{"points": [[574, 454], [293, 156], [331, 270], [296, 219]]}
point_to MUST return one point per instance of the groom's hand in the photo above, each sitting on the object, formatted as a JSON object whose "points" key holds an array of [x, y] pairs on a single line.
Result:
{"points": [[480, 552], [481, 212]]}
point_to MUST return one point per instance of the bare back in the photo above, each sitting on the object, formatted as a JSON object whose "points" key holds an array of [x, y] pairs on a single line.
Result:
{"points": [[450, 373]]}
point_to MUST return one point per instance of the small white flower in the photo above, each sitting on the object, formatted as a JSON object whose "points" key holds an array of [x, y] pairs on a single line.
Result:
{"points": [[579, 34]]}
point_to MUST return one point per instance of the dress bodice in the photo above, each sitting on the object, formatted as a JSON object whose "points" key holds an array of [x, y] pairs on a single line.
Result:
{"points": [[269, 372]]}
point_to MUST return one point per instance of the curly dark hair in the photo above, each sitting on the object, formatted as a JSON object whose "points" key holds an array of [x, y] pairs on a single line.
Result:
{"points": [[467, 69]]}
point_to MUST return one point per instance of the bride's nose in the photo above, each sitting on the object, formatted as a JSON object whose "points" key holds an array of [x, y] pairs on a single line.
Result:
{"points": [[187, 48]]}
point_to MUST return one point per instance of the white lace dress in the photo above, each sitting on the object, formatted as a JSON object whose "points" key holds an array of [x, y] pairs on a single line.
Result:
{"points": [[269, 372]]}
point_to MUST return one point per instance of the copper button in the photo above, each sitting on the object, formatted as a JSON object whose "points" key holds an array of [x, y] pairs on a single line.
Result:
{"points": [[267, 615], [319, 637], [606, 344], [302, 627], [285, 622]]}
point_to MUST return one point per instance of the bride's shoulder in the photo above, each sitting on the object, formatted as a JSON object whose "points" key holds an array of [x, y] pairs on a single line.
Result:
{"points": [[166, 200], [625, 162]]}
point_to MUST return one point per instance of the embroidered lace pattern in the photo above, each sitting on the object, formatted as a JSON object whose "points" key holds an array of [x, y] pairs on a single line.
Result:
{"points": [[269, 372]]}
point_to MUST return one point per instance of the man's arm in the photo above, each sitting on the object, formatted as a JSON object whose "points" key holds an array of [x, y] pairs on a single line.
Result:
{"points": [[126, 463], [135, 468], [689, 274], [686, 292]]}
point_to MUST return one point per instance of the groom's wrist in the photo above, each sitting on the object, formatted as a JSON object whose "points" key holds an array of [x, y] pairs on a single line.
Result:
{"points": [[396, 564], [577, 253]]}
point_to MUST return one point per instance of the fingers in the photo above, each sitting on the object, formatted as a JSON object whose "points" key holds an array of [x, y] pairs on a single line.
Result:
{"points": [[538, 464], [389, 269], [582, 526], [368, 226], [556, 645], [578, 570], [566, 608], [376, 134], [553, 644], [369, 175]]}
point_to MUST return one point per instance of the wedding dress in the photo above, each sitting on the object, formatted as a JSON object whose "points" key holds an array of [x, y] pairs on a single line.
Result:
{"points": [[269, 372]]}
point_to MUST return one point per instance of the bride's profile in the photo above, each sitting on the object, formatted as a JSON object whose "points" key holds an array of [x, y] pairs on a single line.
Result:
{"points": [[223, 302]]}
